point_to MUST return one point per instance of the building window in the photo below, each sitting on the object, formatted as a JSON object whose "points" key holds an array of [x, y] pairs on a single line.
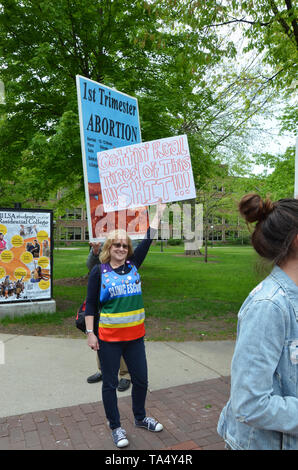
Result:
{"points": [[232, 234], [71, 233], [217, 235], [73, 214], [74, 233]]}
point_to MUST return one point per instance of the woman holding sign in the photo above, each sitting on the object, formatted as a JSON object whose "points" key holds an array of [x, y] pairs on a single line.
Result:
{"points": [[121, 327], [262, 413]]}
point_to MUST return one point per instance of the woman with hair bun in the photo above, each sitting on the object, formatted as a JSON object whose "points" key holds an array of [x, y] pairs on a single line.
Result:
{"points": [[262, 411]]}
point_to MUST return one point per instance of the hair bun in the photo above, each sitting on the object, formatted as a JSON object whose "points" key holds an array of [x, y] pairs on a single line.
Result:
{"points": [[254, 209]]}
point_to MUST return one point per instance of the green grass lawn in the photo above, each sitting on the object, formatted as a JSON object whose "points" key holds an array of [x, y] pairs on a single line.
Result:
{"points": [[175, 285], [176, 288]]}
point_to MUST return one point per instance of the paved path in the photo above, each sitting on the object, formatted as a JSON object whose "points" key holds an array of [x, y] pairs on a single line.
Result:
{"points": [[46, 403], [189, 414]]}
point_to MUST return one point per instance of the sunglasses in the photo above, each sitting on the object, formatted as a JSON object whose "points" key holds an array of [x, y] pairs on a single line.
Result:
{"points": [[119, 245]]}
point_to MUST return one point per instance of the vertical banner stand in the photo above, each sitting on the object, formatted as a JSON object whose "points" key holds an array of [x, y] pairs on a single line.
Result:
{"points": [[26, 261]]}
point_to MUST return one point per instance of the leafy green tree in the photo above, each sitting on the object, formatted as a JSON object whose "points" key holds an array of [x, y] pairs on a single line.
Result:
{"points": [[220, 196], [280, 182], [155, 51], [166, 53], [272, 29]]}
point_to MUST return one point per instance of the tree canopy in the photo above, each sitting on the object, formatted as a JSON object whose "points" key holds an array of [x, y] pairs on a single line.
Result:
{"points": [[279, 183], [136, 47], [167, 53]]}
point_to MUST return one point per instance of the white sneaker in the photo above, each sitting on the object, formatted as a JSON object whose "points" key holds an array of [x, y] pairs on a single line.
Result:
{"points": [[149, 423], [119, 437]]}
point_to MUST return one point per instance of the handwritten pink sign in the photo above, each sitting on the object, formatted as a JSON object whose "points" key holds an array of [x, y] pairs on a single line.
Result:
{"points": [[141, 174]]}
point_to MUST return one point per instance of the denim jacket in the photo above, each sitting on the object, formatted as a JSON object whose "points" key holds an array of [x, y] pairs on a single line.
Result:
{"points": [[262, 411]]}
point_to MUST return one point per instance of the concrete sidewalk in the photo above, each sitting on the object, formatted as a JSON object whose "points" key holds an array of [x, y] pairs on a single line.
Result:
{"points": [[44, 377]]}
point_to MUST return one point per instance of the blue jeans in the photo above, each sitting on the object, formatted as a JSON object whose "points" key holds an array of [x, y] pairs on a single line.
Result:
{"points": [[134, 355]]}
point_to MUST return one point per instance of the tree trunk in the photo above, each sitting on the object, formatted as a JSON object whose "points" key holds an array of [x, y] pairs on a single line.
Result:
{"points": [[191, 252]]}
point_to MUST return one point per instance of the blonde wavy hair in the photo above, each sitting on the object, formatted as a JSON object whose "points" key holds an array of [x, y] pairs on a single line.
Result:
{"points": [[119, 234]]}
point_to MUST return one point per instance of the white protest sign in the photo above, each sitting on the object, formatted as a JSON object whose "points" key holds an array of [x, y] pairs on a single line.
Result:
{"points": [[142, 174]]}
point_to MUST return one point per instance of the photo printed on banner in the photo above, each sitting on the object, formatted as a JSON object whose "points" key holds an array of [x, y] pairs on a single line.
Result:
{"points": [[25, 255]]}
